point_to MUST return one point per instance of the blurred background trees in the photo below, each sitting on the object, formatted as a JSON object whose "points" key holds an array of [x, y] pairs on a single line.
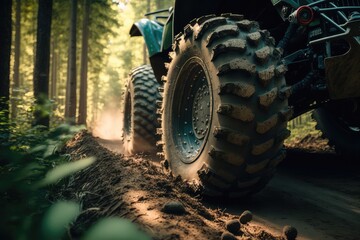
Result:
{"points": [[80, 63]]}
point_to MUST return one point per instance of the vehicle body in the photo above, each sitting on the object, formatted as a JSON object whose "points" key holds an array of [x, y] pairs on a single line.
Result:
{"points": [[308, 58]]}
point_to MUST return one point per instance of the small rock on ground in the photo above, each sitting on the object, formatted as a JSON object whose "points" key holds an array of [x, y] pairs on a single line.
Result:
{"points": [[233, 226], [228, 236], [289, 232], [173, 207], [245, 217]]}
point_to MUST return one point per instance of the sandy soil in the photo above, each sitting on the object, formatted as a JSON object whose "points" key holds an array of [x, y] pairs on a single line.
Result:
{"points": [[313, 191]]}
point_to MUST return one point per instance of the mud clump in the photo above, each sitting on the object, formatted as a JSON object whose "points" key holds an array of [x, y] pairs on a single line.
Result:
{"points": [[233, 226], [228, 236], [246, 217], [174, 207], [290, 233]]}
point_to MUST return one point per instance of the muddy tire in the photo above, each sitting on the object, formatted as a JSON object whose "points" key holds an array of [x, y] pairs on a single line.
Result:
{"points": [[139, 115], [340, 124], [225, 109]]}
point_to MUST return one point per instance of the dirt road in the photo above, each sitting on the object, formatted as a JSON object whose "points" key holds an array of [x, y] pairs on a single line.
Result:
{"points": [[313, 191]]}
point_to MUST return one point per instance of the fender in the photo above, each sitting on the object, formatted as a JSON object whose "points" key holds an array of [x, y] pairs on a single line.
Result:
{"points": [[262, 11], [152, 33]]}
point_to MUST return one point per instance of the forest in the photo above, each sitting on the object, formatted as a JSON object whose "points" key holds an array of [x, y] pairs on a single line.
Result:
{"points": [[62, 62], [92, 146]]}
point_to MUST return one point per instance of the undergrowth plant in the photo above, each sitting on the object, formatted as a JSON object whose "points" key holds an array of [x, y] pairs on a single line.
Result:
{"points": [[31, 168]]}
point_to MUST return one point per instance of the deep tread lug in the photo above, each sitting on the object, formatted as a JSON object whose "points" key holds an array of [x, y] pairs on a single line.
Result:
{"points": [[241, 112], [280, 70], [231, 45], [159, 111], [207, 175], [268, 98], [245, 25], [254, 38], [164, 79], [222, 31], [159, 103], [203, 19], [244, 90], [159, 131], [262, 55], [241, 64], [267, 125], [229, 158], [262, 148], [232, 16], [231, 136], [160, 143], [188, 31], [265, 76], [213, 22]]}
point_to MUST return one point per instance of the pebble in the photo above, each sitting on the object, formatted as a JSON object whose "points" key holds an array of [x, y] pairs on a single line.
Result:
{"points": [[233, 226], [245, 217], [289, 232], [228, 236], [173, 207]]}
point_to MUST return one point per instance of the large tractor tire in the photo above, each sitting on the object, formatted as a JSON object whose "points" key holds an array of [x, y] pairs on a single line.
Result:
{"points": [[225, 110], [139, 115], [340, 124]]}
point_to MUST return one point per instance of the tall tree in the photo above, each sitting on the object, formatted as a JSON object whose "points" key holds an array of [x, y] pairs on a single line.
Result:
{"points": [[54, 69], [42, 63], [145, 55], [84, 64], [5, 49], [17, 46], [70, 105]]}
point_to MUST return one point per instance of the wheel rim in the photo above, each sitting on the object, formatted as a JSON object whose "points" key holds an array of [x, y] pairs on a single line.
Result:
{"points": [[127, 115], [191, 110]]}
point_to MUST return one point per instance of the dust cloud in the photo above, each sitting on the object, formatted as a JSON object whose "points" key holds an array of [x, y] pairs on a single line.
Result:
{"points": [[108, 125]]}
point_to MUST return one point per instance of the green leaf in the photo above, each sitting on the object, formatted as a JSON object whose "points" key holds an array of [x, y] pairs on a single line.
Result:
{"points": [[115, 229], [57, 220], [64, 170]]}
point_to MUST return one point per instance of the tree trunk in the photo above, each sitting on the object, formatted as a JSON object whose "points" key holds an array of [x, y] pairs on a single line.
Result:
{"points": [[145, 55], [84, 65], [54, 69], [5, 49], [16, 85], [17, 44], [70, 106], [42, 63]]}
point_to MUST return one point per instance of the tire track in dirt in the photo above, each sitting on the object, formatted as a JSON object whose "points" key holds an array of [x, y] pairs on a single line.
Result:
{"points": [[316, 192]]}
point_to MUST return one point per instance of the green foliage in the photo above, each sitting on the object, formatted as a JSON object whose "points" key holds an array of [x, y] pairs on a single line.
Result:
{"points": [[32, 168], [57, 219], [301, 127], [115, 229], [29, 164]]}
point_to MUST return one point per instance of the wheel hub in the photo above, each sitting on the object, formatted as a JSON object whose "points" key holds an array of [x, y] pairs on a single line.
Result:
{"points": [[200, 112], [193, 108]]}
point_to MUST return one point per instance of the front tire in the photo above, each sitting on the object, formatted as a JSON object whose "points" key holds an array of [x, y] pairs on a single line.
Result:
{"points": [[139, 115], [224, 111]]}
